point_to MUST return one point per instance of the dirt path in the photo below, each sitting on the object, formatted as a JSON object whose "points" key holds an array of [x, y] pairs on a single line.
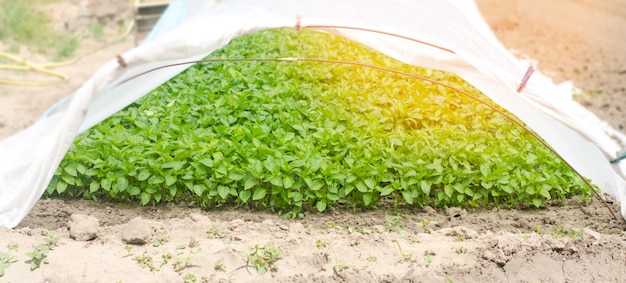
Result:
{"points": [[578, 40]]}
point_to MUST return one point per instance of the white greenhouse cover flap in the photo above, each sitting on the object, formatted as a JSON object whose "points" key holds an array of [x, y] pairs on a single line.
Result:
{"points": [[29, 159]]}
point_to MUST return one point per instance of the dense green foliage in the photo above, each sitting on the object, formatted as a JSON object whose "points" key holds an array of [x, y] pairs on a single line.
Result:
{"points": [[291, 135]]}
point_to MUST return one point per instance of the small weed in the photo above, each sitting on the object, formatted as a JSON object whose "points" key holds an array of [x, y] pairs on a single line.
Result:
{"points": [[405, 257], [38, 256], [321, 244], [340, 267], [214, 232], [538, 230], [362, 230], [145, 261], [5, 261], [220, 266], [459, 236], [13, 246], [426, 225], [159, 241], [372, 258], [428, 256], [461, 250], [189, 278], [193, 242], [129, 251], [394, 222], [331, 225], [264, 258], [165, 258], [180, 263], [51, 241], [562, 231]]}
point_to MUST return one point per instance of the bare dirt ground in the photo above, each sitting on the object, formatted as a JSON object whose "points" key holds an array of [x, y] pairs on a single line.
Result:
{"points": [[577, 40]]}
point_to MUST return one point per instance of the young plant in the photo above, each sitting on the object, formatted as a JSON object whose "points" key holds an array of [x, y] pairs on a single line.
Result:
{"points": [[340, 267], [13, 246], [145, 261], [214, 232], [5, 261], [180, 263], [405, 257], [220, 266], [428, 256], [51, 241], [263, 258], [395, 222], [461, 250], [160, 240], [38, 256], [562, 231], [129, 251], [426, 225]]}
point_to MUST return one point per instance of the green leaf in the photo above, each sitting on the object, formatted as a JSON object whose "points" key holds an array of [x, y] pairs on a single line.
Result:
{"points": [[360, 186], [235, 176], [537, 202], [61, 187], [244, 195], [386, 191], [259, 193], [484, 169], [134, 190], [367, 199], [70, 168], [321, 205], [145, 198], [408, 197], [198, 189], [425, 186], [207, 162], [223, 191], [94, 186], [170, 180], [143, 175], [315, 185], [250, 182], [122, 184]]}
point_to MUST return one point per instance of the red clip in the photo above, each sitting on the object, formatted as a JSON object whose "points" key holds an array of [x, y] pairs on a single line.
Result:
{"points": [[298, 19], [525, 79]]}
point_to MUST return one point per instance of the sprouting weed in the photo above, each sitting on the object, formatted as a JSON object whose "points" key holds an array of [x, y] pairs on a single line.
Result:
{"points": [[461, 250], [263, 258], [426, 225], [5, 261], [220, 266], [340, 267], [145, 261], [13, 246], [321, 244], [38, 256], [405, 257], [214, 232], [160, 240], [51, 241]]}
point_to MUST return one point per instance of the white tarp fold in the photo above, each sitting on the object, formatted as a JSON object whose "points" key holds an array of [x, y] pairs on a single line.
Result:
{"points": [[29, 159]]}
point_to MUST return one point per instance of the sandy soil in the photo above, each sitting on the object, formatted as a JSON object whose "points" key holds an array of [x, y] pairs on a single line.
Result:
{"points": [[577, 40]]}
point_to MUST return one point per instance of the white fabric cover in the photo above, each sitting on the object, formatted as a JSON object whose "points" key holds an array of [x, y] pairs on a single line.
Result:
{"points": [[29, 159]]}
